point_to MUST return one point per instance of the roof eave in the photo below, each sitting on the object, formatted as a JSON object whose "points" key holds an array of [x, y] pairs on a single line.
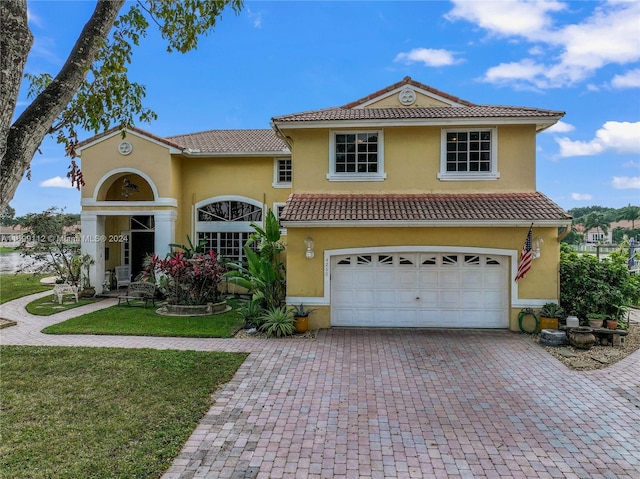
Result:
{"points": [[226, 154], [521, 223], [541, 122]]}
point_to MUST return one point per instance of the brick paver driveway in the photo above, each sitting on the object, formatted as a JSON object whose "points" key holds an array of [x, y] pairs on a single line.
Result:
{"points": [[401, 403]]}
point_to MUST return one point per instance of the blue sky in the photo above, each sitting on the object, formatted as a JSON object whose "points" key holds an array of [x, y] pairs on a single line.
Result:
{"points": [[283, 57]]}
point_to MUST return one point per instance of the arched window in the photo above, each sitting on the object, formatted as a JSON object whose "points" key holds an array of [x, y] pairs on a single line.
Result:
{"points": [[225, 224]]}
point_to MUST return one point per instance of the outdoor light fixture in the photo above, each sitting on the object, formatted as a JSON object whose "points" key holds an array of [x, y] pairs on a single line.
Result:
{"points": [[538, 243], [128, 188], [308, 244]]}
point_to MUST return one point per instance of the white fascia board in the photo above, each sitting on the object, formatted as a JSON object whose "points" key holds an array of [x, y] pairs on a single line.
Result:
{"points": [[222, 154], [421, 122], [422, 224], [172, 150]]}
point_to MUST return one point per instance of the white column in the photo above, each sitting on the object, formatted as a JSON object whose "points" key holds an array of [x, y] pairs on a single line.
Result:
{"points": [[93, 243], [165, 231]]}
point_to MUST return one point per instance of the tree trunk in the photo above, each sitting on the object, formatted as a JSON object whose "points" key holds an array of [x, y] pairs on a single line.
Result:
{"points": [[19, 143], [15, 42]]}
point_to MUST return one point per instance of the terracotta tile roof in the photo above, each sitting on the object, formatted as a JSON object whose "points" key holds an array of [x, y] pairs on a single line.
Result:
{"points": [[133, 129], [226, 141], [444, 113], [503, 207], [407, 81]]}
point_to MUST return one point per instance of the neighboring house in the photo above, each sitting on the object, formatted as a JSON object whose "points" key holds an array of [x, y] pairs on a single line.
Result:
{"points": [[407, 208], [596, 235]]}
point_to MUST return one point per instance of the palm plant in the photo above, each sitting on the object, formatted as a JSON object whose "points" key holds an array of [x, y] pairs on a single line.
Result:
{"points": [[629, 213]]}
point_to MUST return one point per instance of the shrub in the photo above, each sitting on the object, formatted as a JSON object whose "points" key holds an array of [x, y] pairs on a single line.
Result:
{"points": [[589, 285], [187, 280], [278, 322]]}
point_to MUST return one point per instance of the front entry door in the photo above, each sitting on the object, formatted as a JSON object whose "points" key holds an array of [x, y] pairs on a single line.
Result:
{"points": [[142, 244]]}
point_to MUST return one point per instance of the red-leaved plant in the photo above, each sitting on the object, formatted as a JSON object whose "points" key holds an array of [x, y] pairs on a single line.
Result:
{"points": [[188, 280]]}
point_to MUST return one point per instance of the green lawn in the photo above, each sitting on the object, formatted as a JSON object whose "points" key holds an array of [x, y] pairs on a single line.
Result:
{"points": [[84, 413], [49, 305], [14, 286], [139, 321], [6, 249]]}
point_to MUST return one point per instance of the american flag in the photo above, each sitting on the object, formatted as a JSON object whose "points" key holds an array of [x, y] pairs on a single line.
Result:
{"points": [[525, 256]]}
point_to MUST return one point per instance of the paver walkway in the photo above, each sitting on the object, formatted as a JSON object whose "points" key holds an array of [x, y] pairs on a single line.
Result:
{"points": [[399, 404]]}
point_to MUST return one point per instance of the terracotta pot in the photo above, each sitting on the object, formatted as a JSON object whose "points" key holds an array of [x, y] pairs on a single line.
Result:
{"points": [[302, 324], [612, 324]]}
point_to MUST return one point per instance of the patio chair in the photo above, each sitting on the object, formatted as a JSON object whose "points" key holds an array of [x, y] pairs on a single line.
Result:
{"points": [[123, 276]]}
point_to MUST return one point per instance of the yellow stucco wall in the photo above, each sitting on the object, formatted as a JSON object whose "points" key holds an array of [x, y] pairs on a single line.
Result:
{"points": [[204, 178], [305, 277], [148, 157], [412, 163]]}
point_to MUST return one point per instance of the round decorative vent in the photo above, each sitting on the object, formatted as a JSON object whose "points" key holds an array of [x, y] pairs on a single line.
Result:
{"points": [[407, 96], [124, 148]]}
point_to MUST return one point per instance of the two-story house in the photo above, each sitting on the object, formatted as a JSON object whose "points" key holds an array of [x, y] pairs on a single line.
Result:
{"points": [[406, 208]]}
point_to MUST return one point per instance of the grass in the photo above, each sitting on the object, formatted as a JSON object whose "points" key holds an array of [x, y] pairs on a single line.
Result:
{"points": [[83, 413], [14, 286], [49, 305], [139, 321], [7, 249]]}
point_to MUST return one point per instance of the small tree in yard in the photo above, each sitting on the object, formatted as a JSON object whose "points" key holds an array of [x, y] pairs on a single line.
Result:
{"points": [[588, 285], [45, 241]]}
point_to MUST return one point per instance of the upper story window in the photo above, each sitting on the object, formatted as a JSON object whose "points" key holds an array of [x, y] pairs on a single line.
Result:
{"points": [[469, 154], [283, 173], [356, 156]]}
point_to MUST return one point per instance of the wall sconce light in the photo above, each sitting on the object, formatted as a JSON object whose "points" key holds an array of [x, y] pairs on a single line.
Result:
{"points": [[308, 244], [538, 244]]}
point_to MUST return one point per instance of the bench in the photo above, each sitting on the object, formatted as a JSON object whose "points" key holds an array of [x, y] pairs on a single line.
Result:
{"points": [[139, 291], [605, 336], [59, 290]]}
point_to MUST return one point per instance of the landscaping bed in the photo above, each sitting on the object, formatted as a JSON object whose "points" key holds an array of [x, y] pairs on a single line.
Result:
{"points": [[597, 357]]}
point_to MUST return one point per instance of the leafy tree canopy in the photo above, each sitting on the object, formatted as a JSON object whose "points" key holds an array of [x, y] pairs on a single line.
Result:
{"points": [[92, 90]]}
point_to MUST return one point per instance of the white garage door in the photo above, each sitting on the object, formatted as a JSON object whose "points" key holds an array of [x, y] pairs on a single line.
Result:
{"points": [[446, 290]]}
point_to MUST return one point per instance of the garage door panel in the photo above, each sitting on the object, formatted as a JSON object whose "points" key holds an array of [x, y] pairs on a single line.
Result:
{"points": [[420, 290], [407, 278], [449, 279], [387, 299]]}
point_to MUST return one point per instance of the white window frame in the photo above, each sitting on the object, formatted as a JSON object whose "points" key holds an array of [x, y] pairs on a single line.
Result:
{"points": [[226, 226], [283, 230], [276, 173], [445, 175], [380, 175]]}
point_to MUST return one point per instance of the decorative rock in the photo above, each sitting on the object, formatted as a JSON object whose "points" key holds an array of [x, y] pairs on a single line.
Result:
{"points": [[553, 337]]}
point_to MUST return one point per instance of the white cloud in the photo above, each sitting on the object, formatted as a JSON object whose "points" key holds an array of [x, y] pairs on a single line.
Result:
{"points": [[573, 52], [429, 56], [255, 18], [56, 182], [560, 127], [521, 18], [581, 196], [33, 18], [631, 164], [630, 79], [626, 182], [620, 137]]}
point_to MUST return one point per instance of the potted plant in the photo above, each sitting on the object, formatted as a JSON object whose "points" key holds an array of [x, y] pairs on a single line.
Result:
{"points": [[301, 316], [595, 320], [549, 316]]}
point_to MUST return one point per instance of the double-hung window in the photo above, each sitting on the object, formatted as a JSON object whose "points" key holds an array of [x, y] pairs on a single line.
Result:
{"points": [[469, 154], [356, 156]]}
